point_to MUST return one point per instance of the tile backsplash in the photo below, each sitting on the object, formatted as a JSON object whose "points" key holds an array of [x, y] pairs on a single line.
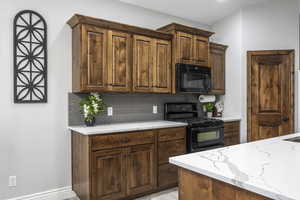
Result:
{"points": [[128, 107]]}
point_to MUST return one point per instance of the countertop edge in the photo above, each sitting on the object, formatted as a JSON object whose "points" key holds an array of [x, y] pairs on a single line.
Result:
{"points": [[80, 130]]}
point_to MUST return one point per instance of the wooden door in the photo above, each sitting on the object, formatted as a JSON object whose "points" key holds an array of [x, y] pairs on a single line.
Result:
{"points": [[217, 63], [201, 51], [270, 94], [184, 50], [141, 164], [143, 52], [108, 174], [162, 67], [119, 61], [94, 50]]}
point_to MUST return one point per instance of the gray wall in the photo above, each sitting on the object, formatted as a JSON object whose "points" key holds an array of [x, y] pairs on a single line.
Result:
{"points": [[128, 107]]}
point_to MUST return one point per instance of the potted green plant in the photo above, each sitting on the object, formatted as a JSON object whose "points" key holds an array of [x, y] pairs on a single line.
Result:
{"points": [[209, 109], [90, 107]]}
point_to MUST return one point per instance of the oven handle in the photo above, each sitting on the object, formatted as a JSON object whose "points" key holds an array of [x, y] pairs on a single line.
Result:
{"points": [[206, 128]]}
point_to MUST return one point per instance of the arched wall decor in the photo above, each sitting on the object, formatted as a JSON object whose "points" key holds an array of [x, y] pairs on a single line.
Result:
{"points": [[30, 58]]}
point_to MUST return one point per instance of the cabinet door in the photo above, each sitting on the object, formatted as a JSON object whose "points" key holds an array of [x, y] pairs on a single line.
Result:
{"points": [[143, 52], [119, 62], [217, 61], [94, 65], [108, 174], [141, 176], [162, 67], [201, 51], [184, 48]]}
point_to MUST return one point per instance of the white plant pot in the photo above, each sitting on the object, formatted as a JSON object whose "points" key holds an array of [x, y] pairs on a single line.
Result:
{"points": [[209, 114]]}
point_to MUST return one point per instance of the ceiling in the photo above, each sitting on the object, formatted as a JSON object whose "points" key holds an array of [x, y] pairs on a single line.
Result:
{"points": [[202, 11]]}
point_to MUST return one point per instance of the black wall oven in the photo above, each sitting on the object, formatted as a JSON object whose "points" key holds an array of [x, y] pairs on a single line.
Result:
{"points": [[193, 78]]}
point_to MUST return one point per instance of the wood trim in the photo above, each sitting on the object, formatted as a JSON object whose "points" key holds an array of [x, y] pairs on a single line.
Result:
{"points": [[81, 19], [186, 29], [291, 54]]}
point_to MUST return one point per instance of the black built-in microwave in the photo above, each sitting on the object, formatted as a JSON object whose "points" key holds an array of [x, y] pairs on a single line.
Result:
{"points": [[193, 78]]}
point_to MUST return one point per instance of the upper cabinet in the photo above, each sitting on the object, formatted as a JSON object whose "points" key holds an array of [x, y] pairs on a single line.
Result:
{"points": [[151, 65], [217, 61], [191, 45], [119, 61], [114, 57]]}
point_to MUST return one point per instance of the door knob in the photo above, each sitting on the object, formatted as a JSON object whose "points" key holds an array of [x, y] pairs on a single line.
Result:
{"points": [[285, 119]]}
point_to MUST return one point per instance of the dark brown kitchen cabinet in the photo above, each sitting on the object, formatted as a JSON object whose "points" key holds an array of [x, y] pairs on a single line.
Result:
{"points": [[109, 174], [93, 55], [162, 66], [125, 165], [113, 57], [201, 51], [232, 133], [140, 169], [217, 61], [151, 65], [143, 65], [119, 61], [185, 48]]}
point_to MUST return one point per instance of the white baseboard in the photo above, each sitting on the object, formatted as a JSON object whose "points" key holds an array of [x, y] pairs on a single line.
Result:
{"points": [[56, 194]]}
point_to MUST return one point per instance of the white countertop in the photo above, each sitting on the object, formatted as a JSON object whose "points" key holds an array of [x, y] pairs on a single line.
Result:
{"points": [[124, 127], [268, 167], [229, 119]]}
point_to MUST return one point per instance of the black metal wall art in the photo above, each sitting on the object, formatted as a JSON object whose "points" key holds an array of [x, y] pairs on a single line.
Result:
{"points": [[30, 58]]}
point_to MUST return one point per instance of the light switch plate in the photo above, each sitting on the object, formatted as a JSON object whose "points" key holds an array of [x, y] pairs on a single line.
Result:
{"points": [[109, 111], [12, 181], [154, 109]]}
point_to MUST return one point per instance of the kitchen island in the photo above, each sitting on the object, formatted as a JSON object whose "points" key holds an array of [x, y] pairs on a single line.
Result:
{"points": [[262, 170]]}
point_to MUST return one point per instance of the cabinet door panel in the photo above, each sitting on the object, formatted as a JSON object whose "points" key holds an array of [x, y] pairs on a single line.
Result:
{"points": [[201, 51], [162, 67], [184, 48], [108, 178], [119, 59], [140, 169], [217, 62], [94, 69], [142, 63]]}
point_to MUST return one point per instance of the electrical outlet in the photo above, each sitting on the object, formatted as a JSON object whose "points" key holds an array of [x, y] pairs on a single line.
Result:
{"points": [[12, 181], [109, 111], [154, 110]]}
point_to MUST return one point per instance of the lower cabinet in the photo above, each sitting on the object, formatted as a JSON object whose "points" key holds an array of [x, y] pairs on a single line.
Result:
{"points": [[232, 133], [109, 174], [125, 165], [140, 169]]}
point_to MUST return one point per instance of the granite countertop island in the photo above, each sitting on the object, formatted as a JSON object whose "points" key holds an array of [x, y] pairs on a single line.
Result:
{"points": [[270, 167], [124, 127]]}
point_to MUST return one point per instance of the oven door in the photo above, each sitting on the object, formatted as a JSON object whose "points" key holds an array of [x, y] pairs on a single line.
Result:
{"points": [[192, 78], [205, 138]]}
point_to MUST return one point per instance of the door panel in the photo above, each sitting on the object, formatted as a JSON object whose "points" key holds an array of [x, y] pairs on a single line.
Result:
{"points": [[108, 179], [95, 50], [217, 63], [201, 51], [141, 169], [270, 105], [142, 64], [162, 67], [184, 48], [119, 59]]}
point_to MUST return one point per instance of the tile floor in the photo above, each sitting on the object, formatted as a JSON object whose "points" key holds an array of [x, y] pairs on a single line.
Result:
{"points": [[171, 194]]}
